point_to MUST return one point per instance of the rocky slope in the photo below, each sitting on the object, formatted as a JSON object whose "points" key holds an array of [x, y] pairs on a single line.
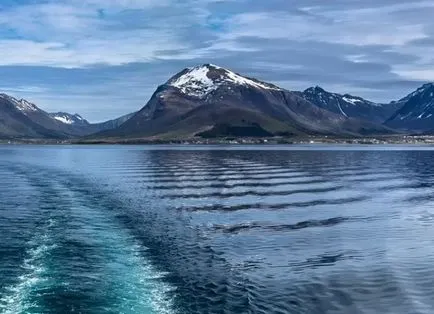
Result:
{"points": [[349, 106]]}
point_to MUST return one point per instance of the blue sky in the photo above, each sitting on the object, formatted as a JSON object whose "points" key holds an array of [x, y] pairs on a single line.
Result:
{"points": [[104, 58]]}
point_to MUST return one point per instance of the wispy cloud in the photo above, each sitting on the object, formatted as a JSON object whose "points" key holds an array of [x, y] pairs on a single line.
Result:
{"points": [[67, 35]]}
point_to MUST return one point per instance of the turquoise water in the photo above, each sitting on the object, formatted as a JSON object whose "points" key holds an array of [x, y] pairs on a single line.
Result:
{"points": [[183, 229]]}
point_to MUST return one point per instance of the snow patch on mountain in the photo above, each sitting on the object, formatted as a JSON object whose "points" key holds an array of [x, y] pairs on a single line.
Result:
{"points": [[22, 104], [65, 120], [198, 82], [350, 100], [195, 82], [340, 109], [232, 77]]}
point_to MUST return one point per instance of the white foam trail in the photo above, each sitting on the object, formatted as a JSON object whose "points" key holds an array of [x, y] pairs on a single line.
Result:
{"points": [[16, 300], [151, 280], [138, 286]]}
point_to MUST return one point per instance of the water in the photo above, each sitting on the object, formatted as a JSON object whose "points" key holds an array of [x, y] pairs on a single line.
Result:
{"points": [[124, 229]]}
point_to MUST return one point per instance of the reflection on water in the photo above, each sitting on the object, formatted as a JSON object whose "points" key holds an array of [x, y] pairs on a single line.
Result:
{"points": [[196, 230]]}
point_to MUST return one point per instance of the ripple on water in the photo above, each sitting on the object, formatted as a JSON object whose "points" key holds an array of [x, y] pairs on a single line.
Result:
{"points": [[212, 231], [79, 258]]}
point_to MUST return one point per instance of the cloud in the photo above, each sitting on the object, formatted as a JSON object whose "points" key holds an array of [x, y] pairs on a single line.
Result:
{"points": [[62, 35], [417, 75], [23, 89], [353, 27]]}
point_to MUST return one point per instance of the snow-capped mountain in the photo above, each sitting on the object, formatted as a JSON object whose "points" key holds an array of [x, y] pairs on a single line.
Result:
{"points": [[70, 119], [200, 81], [20, 104], [209, 98], [416, 111], [23, 119], [25, 106], [31, 111], [348, 105], [19, 118]]}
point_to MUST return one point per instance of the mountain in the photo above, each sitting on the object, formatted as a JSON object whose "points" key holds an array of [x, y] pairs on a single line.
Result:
{"points": [[70, 119], [20, 118], [71, 124], [416, 111], [59, 125], [112, 124], [208, 100], [348, 105], [75, 125]]}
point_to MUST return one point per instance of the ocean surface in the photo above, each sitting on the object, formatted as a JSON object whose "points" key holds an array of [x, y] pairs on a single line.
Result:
{"points": [[221, 229]]}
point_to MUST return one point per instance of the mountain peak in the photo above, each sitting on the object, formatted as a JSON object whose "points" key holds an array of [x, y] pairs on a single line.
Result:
{"points": [[21, 104], [428, 85], [194, 81], [424, 87], [315, 90], [68, 118], [24, 105], [201, 80], [425, 91], [3, 95], [210, 65], [417, 110]]}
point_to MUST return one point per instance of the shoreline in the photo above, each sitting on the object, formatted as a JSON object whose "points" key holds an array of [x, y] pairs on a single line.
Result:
{"points": [[320, 140]]}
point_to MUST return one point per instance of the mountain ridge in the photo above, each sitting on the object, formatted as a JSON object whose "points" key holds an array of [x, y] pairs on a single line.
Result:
{"points": [[208, 100], [20, 118], [209, 86], [349, 106], [416, 111]]}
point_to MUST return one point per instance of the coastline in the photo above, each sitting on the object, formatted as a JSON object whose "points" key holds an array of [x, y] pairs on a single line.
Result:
{"points": [[322, 140]]}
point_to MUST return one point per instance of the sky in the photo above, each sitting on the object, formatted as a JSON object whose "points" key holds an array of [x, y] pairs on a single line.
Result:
{"points": [[105, 58]]}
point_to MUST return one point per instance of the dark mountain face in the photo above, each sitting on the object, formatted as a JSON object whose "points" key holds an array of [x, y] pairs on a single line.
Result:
{"points": [[416, 111], [349, 106], [200, 99]]}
